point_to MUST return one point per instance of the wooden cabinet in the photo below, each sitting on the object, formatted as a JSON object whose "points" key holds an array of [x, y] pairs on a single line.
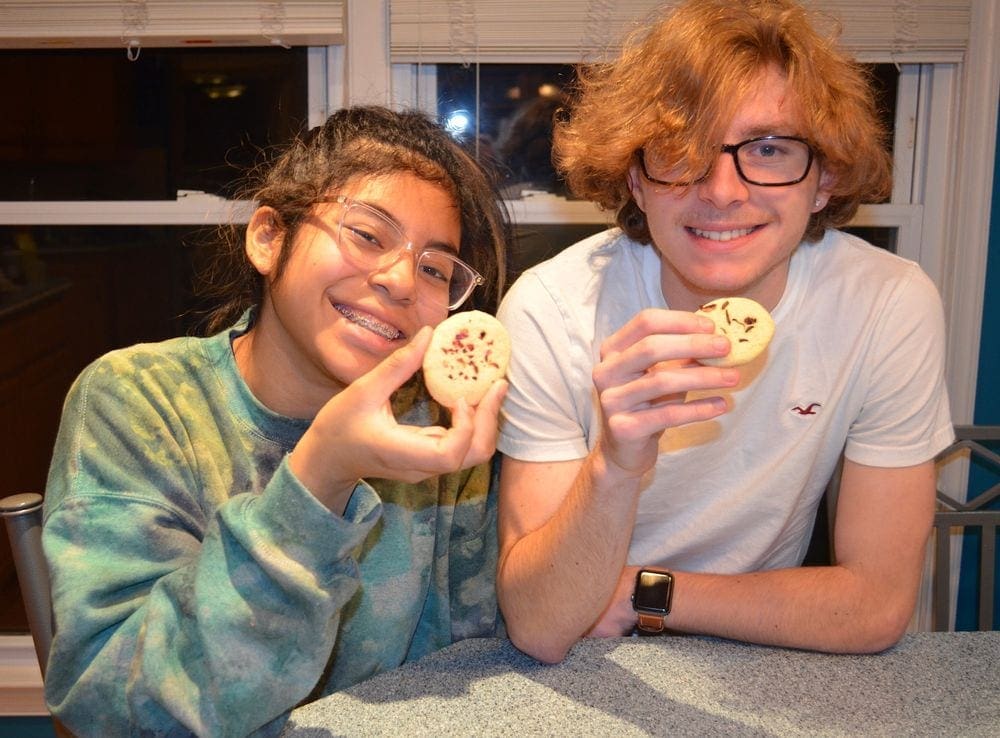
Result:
{"points": [[35, 373], [97, 299]]}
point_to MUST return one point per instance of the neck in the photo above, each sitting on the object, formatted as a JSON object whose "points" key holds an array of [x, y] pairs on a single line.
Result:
{"points": [[683, 294], [272, 380]]}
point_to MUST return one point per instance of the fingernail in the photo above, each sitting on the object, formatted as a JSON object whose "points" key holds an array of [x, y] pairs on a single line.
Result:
{"points": [[730, 376], [719, 343]]}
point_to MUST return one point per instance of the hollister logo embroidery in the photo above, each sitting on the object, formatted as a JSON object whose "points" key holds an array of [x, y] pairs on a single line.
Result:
{"points": [[809, 409]]}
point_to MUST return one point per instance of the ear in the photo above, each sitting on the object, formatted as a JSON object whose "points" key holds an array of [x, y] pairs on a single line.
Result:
{"points": [[634, 179], [826, 181], [264, 238]]}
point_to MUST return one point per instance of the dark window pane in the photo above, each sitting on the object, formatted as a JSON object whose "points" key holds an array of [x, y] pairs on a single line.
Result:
{"points": [[536, 242], [127, 283], [885, 237], [885, 80], [512, 127], [91, 125]]}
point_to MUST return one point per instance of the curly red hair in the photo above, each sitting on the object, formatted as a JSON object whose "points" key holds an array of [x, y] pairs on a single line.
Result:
{"points": [[675, 87]]}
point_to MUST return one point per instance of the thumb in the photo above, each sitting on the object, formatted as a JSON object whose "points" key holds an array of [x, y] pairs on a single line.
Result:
{"points": [[393, 371]]}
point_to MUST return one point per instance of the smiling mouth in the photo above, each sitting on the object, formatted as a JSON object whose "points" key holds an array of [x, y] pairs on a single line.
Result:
{"points": [[723, 235], [369, 322]]}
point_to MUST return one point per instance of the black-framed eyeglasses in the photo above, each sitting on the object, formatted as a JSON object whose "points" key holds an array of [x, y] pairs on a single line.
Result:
{"points": [[767, 161], [373, 241]]}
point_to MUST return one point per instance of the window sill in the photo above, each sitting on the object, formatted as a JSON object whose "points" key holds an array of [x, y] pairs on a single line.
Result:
{"points": [[21, 691]]}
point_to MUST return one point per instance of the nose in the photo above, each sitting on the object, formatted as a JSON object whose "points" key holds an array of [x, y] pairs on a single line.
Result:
{"points": [[723, 186], [397, 276]]}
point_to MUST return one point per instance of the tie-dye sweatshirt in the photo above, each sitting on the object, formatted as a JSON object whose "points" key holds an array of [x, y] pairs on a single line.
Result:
{"points": [[199, 588]]}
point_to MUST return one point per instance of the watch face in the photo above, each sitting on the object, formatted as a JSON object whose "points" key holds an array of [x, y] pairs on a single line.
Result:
{"points": [[652, 591]]}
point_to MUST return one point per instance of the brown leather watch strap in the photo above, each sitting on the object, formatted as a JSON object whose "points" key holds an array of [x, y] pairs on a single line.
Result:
{"points": [[652, 623]]}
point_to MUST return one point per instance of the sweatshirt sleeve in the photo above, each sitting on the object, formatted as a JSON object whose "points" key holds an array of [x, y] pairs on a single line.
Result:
{"points": [[173, 615]]}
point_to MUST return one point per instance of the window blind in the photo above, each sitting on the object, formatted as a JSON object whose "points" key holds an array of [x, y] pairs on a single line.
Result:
{"points": [[566, 31], [158, 23]]}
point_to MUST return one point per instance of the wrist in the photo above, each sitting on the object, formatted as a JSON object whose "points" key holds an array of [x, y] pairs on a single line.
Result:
{"points": [[652, 599], [333, 491], [607, 472]]}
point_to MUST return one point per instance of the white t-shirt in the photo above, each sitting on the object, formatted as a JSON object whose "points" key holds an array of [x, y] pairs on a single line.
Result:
{"points": [[856, 365]]}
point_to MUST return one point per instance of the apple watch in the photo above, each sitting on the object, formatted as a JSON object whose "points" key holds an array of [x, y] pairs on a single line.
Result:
{"points": [[651, 599]]}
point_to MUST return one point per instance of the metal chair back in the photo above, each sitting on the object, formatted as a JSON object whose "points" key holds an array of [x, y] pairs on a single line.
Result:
{"points": [[23, 515], [977, 519]]}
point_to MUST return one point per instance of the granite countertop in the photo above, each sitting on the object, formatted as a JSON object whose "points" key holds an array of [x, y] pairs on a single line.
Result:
{"points": [[930, 684]]}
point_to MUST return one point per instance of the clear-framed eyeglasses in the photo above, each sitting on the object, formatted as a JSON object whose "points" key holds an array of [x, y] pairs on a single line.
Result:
{"points": [[371, 240], [767, 161]]}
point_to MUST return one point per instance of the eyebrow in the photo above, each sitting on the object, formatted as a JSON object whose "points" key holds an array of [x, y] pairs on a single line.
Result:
{"points": [[432, 246], [761, 131]]}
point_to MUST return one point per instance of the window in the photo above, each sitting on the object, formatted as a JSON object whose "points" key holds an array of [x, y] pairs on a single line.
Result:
{"points": [[92, 125], [504, 112], [943, 125], [113, 175]]}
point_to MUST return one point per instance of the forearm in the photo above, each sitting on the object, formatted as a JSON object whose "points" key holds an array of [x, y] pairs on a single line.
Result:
{"points": [[862, 604], [834, 608], [554, 582]]}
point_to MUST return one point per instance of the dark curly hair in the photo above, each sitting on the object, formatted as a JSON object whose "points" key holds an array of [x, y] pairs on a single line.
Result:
{"points": [[373, 141]]}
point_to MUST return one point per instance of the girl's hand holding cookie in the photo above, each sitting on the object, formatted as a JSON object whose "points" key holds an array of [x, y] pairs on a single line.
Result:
{"points": [[355, 435]]}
